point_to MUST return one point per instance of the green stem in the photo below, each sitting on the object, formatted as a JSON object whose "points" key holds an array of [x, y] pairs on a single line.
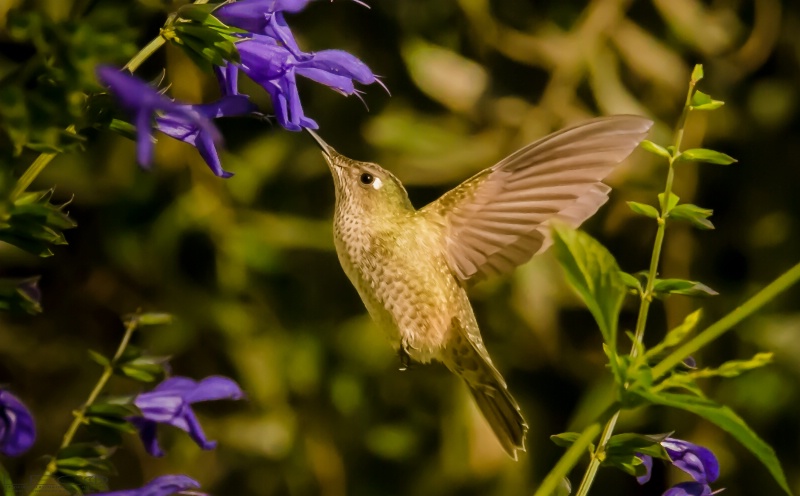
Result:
{"points": [[144, 53], [80, 415], [594, 464], [646, 296], [715, 330], [551, 483], [43, 159]]}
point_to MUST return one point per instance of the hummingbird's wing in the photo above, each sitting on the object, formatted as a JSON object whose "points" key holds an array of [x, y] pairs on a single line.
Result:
{"points": [[499, 218]]}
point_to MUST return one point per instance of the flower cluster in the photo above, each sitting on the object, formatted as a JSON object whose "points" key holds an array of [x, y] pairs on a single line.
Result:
{"points": [[269, 55], [697, 461]]}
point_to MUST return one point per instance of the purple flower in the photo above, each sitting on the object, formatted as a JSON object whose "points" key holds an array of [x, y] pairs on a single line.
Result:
{"points": [[189, 131], [270, 64], [647, 461], [697, 461], [166, 485], [170, 403], [689, 489], [189, 123], [263, 17], [17, 431]]}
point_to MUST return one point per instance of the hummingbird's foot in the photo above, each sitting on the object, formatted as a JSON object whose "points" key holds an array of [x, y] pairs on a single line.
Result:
{"points": [[405, 358]]}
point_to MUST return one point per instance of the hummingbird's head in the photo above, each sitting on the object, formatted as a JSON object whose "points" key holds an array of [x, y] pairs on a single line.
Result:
{"points": [[366, 186]]}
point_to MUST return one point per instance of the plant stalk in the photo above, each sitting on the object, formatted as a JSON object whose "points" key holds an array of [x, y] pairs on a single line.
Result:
{"points": [[646, 296], [80, 415]]}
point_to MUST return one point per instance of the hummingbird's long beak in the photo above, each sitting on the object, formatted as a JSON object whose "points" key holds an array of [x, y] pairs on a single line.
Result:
{"points": [[326, 148]]}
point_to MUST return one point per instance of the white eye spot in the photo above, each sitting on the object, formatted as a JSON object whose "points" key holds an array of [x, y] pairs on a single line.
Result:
{"points": [[377, 184]]}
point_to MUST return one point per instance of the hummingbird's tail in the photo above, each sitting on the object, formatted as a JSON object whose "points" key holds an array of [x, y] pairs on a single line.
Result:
{"points": [[471, 362], [503, 414]]}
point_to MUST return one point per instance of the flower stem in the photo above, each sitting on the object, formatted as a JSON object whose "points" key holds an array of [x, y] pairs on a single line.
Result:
{"points": [[80, 415], [646, 295], [38, 165]]}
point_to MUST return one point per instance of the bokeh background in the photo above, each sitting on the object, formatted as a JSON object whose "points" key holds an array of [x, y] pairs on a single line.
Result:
{"points": [[247, 264]]}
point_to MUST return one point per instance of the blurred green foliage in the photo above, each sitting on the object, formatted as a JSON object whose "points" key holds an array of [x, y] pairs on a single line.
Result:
{"points": [[247, 264]]}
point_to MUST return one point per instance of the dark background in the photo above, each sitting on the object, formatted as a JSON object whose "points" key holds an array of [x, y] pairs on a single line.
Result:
{"points": [[247, 264]]}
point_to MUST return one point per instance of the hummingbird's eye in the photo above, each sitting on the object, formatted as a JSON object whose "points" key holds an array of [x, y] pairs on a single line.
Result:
{"points": [[366, 178]]}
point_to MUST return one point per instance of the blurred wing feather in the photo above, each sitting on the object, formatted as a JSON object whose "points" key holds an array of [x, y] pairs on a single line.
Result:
{"points": [[500, 217]]}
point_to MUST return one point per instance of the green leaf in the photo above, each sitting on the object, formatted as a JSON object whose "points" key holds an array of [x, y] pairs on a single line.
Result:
{"points": [[664, 287], [629, 463], [677, 335], [565, 439], [81, 481], [643, 209], [99, 358], [670, 204], [706, 155], [21, 295], [631, 282], [34, 224], [85, 450], [554, 479], [123, 128], [654, 148], [681, 380], [630, 444], [735, 368], [141, 374], [143, 368], [698, 216], [592, 271], [203, 14], [697, 73], [7, 484], [702, 101], [112, 416], [154, 318], [728, 322], [727, 420]]}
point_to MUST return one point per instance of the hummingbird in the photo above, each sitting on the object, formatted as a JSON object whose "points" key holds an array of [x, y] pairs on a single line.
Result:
{"points": [[412, 268]]}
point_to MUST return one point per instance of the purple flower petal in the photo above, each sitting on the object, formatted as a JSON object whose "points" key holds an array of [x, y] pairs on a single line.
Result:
{"points": [[341, 63], [205, 146], [205, 139], [227, 106], [278, 28], [131, 92], [688, 489], [17, 430], [165, 485], [253, 15], [170, 403], [228, 78], [192, 427], [647, 461], [148, 433], [144, 138], [275, 67], [697, 461], [342, 84], [215, 388], [180, 121]]}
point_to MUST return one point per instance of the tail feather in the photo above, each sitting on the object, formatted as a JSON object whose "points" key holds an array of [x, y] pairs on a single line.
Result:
{"points": [[468, 358], [502, 413]]}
